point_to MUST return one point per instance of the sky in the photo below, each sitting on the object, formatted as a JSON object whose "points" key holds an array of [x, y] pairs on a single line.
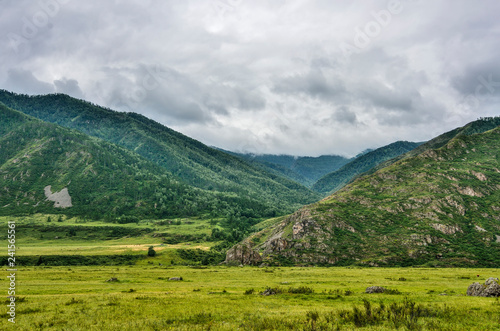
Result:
{"points": [[298, 77]]}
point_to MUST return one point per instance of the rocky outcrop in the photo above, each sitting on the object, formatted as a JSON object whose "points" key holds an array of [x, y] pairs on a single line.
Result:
{"points": [[489, 289], [447, 229], [244, 254], [375, 289]]}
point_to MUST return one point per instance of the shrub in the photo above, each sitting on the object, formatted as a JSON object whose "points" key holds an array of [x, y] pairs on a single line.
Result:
{"points": [[404, 314], [301, 290], [151, 251]]}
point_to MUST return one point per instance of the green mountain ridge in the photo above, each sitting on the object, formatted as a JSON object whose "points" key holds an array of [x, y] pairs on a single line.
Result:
{"points": [[437, 208], [187, 159], [479, 126], [305, 170], [361, 164], [101, 180]]}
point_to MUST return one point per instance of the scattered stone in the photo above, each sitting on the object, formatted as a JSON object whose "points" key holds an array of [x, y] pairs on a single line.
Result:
{"points": [[375, 289], [270, 291], [112, 279], [443, 294], [175, 279]]}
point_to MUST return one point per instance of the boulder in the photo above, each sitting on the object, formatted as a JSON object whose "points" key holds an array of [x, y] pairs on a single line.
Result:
{"points": [[243, 254], [493, 290], [475, 290], [490, 281], [375, 289], [175, 279], [489, 289]]}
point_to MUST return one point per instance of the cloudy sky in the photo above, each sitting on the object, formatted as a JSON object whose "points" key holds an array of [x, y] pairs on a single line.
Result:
{"points": [[301, 77]]}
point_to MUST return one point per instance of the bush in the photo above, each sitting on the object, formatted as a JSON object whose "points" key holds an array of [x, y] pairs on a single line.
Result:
{"points": [[151, 251], [404, 314], [250, 291], [301, 290]]}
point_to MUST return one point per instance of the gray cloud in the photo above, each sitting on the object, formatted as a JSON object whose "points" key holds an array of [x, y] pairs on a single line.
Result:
{"points": [[269, 77], [69, 87], [479, 79], [346, 115], [314, 83], [23, 81]]}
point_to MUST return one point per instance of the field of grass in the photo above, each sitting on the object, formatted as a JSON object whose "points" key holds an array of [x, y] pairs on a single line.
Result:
{"points": [[36, 236], [223, 298]]}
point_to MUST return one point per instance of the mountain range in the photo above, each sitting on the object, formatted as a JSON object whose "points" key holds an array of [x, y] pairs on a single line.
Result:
{"points": [[186, 159], [47, 168], [434, 203]]}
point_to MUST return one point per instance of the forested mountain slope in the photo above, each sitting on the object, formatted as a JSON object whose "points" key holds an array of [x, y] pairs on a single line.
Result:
{"points": [[438, 208], [339, 178], [193, 162], [50, 169]]}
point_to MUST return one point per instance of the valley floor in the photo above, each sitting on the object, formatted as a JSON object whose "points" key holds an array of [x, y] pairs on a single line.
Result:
{"points": [[224, 298]]}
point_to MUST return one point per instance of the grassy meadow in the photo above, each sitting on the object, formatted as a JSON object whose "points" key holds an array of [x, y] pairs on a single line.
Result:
{"points": [[229, 298], [216, 297]]}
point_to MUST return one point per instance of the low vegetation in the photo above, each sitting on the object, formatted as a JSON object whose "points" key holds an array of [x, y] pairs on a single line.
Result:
{"points": [[222, 298]]}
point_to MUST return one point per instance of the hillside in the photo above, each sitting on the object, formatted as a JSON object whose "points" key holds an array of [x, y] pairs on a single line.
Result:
{"points": [[339, 178], [438, 208], [45, 168], [193, 162], [302, 169]]}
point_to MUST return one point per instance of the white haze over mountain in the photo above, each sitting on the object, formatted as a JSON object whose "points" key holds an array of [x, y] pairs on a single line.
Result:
{"points": [[299, 77]]}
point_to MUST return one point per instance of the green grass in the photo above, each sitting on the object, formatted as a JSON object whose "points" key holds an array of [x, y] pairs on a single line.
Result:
{"points": [[79, 298], [96, 239]]}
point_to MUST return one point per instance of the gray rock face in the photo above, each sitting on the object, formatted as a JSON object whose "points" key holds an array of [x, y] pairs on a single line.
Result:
{"points": [[375, 289], [489, 289], [243, 254]]}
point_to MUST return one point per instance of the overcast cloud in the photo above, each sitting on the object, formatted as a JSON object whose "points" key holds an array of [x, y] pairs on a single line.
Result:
{"points": [[301, 77]]}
